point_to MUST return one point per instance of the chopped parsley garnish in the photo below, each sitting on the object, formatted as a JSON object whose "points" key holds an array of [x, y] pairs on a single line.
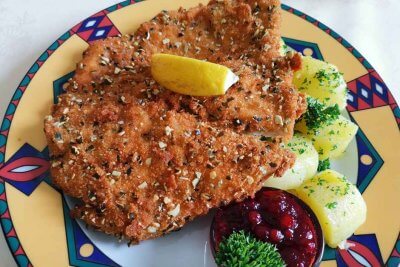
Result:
{"points": [[297, 147], [331, 205], [324, 165], [321, 75], [310, 191], [318, 114], [330, 76], [241, 249], [301, 151], [321, 181]]}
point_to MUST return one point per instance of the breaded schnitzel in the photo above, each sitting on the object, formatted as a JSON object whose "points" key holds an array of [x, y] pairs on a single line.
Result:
{"points": [[144, 160]]}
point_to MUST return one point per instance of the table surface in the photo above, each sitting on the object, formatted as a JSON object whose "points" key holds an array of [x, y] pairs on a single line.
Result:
{"points": [[29, 27]]}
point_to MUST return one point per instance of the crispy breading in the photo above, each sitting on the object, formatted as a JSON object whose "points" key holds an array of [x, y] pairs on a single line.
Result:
{"points": [[144, 160]]}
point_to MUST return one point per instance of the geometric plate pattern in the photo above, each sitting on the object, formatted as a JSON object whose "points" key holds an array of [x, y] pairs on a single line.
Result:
{"points": [[99, 26], [9, 231], [6, 222], [28, 167], [58, 85], [368, 91], [394, 260], [379, 90], [359, 254], [306, 48], [96, 27], [396, 112], [369, 161], [81, 250]]}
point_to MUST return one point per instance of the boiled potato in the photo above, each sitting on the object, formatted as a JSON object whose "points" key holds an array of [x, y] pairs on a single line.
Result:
{"points": [[330, 139], [305, 166], [321, 80], [338, 205]]}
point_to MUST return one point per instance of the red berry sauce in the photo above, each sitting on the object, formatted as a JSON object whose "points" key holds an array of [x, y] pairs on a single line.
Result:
{"points": [[274, 216]]}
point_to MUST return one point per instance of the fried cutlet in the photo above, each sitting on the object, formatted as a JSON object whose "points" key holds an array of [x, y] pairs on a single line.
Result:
{"points": [[144, 160]]}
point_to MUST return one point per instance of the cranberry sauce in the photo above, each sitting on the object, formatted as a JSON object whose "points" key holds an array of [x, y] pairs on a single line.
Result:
{"points": [[277, 217]]}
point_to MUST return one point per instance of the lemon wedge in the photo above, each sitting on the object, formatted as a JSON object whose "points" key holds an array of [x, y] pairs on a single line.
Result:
{"points": [[190, 76]]}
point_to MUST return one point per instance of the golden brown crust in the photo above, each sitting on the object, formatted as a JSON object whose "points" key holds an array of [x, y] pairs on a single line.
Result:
{"points": [[144, 160]]}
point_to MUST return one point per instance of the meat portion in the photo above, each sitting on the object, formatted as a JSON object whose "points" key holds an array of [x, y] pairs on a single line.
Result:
{"points": [[144, 160], [243, 35]]}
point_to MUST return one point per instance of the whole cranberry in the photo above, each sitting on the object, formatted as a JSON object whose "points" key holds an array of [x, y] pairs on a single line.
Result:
{"points": [[276, 236], [287, 221], [288, 234], [254, 217], [262, 232], [303, 237]]}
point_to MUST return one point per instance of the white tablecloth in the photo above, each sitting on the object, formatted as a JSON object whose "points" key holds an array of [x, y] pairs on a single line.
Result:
{"points": [[28, 27]]}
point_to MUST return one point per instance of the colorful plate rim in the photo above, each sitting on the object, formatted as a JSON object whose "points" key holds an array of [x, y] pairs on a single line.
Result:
{"points": [[13, 242]]}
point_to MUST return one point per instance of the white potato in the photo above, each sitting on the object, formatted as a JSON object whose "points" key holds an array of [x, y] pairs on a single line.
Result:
{"points": [[305, 166], [321, 80], [330, 140], [336, 202]]}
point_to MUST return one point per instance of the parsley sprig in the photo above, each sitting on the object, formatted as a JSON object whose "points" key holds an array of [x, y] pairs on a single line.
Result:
{"points": [[318, 114], [243, 250], [323, 165]]}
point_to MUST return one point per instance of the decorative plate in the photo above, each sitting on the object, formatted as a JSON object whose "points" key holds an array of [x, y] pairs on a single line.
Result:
{"points": [[34, 215]]}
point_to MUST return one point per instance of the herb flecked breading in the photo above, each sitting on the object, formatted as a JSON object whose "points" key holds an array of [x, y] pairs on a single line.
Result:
{"points": [[143, 160]]}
